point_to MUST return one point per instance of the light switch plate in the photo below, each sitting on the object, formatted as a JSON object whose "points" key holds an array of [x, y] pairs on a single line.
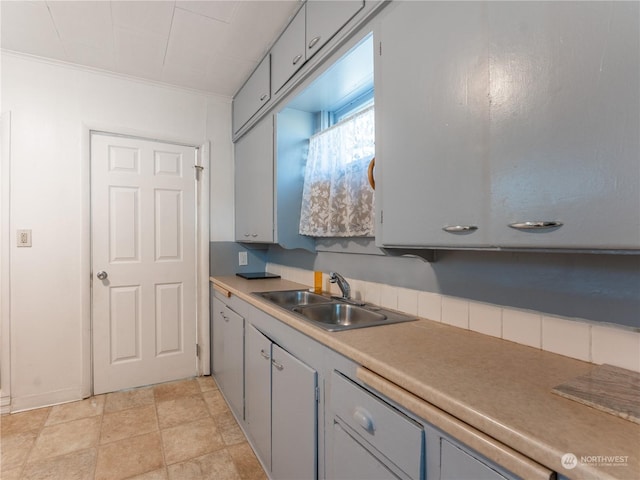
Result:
{"points": [[24, 238], [242, 258]]}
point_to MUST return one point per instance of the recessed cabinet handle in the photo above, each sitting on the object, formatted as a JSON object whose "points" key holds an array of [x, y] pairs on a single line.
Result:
{"points": [[297, 59], [279, 366], [535, 225], [264, 354], [364, 419], [263, 97], [254, 235], [246, 234], [459, 228], [313, 41]]}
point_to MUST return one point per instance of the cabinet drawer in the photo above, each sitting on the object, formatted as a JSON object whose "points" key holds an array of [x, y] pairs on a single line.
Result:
{"points": [[351, 460], [392, 433], [459, 465]]}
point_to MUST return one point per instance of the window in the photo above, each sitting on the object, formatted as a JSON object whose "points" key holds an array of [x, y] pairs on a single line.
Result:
{"points": [[337, 200], [360, 103]]}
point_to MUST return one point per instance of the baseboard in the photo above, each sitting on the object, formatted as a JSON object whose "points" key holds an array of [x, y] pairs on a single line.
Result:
{"points": [[29, 402], [5, 403]]}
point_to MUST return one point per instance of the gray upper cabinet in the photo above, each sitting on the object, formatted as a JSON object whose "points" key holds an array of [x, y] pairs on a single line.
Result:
{"points": [[315, 24], [254, 172], [268, 183], [325, 18], [432, 114], [565, 124], [509, 125], [253, 95], [289, 52]]}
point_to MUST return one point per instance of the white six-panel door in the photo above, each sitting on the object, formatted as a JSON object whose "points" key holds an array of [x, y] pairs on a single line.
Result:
{"points": [[143, 236]]}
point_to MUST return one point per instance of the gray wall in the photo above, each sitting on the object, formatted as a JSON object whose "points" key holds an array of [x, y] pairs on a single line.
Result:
{"points": [[223, 258], [598, 287]]}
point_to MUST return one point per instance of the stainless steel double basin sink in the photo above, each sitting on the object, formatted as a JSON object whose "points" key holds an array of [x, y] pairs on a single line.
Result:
{"points": [[332, 313]]}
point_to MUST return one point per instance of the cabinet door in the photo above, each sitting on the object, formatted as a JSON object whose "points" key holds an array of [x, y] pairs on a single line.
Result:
{"points": [[325, 18], [288, 53], [257, 382], [432, 122], [294, 418], [253, 95], [565, 123], [217, 329], [254, 183], [232, 374]]}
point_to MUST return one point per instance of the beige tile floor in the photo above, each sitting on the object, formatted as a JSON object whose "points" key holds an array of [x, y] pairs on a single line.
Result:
{"points": [[180, 430]]}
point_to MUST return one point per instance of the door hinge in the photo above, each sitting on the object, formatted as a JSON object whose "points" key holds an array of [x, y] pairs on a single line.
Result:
{"points": [[380, 48], [381, 217], [197, 351], [198, 169], [317, 394]]}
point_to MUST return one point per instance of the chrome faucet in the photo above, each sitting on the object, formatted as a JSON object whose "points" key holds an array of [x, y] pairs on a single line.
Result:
{"points": [[342, 284]]}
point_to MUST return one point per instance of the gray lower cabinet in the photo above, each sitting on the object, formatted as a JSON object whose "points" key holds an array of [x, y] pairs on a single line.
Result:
{"points": [[456, 464], [510, 125], [281, 408], [254, 184], [228, 354], [366, 422], [353, 461], [447, 459], [257, 379], [363, 435], [373, 436], [294, 417]]}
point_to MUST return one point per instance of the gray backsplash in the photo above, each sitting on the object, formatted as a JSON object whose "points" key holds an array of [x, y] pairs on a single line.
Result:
{"points": [[223, 258], [598, 287]]}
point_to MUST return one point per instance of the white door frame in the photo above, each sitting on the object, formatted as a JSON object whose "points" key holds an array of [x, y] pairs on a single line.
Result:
{"points": [[202, 247], [5, 256]]}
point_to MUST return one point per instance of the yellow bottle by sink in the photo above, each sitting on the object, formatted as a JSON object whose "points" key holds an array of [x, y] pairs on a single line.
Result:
{"points": [[317, 282]]}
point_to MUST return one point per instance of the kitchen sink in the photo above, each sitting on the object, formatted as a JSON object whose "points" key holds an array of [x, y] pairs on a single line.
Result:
{"points": [[340, 315], [294, 298], [333, 313]]}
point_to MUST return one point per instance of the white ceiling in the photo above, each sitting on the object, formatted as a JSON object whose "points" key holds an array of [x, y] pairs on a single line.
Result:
{"points": [[206, 45]]}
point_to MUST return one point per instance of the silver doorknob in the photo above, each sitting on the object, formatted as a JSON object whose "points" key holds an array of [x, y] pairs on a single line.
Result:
{"points": [[102, 275]]}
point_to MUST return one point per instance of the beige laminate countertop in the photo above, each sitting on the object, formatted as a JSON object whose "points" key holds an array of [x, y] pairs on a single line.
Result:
{"points": [[498, 387]]}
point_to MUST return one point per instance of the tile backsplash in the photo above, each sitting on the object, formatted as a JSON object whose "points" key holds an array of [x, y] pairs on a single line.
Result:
{"points": [[572, 337]]}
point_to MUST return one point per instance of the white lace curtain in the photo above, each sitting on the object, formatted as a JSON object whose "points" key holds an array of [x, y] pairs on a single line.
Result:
{"points": [[337, 200]]}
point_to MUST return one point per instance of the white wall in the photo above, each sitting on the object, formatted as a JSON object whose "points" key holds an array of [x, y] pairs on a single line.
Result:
{"points": [[52, 106]]}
